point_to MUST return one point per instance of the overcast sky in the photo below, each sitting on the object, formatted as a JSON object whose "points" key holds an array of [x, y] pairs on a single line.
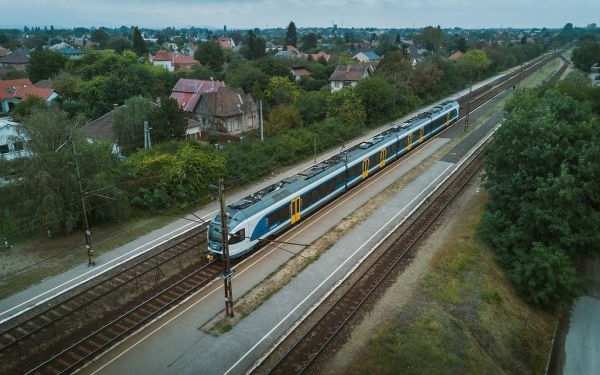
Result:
{"points": [[244, 14]]}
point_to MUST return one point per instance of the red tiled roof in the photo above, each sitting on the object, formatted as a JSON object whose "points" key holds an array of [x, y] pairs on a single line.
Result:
{"points": [[320, 54], [226, 102], [101, 128], [187, 92], [21, 88], [349, 73], [177, 59], [455, 55]]}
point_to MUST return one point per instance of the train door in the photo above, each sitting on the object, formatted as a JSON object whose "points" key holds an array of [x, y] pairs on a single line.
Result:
{"points": [[409, 141], [421, 135], [365, 168], [295, 209], [382, 157], [448, 117]]}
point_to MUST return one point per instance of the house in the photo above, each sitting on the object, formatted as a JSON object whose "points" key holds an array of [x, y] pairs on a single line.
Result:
{"points": [[366, 56], [70, 52], [290, 52], [228, 111], [300, 73], [13, 91], [319, 56], [11, 146], [173, 61], [455, 56], [101, 130], [348, 76], [16, 60], [187, 92], [226, 42]]}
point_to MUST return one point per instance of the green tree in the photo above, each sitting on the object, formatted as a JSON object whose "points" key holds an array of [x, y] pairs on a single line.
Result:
{"points": [[282, 117], [377, 96], [210, 53], [168, 122], [432, 38], [100, 36], [128, 123], [29, 106], [347, 106], [281, 90], [586, 54], [44, 195], [312, 106], [291, 37], [255, 46], [173, 174], [44, 64], [543, 192], [139, 44], [472, 64], [308, 42]]}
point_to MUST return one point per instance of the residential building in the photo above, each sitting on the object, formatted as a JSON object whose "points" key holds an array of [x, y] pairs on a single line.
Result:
{"points": [[366, 56], [226, 42], [455, 56], [321, 55], [187, 92], [16, 60], [101, 130], [348, 76], [227, 110], [173, 61], [11, 146], [14, 91]]}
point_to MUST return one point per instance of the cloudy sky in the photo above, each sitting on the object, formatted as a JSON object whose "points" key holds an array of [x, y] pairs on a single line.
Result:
{"points": [[243, 14]]}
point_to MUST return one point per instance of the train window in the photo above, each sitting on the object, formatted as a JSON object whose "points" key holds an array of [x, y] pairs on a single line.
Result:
{"points": [[215, 234], [237, 237]]}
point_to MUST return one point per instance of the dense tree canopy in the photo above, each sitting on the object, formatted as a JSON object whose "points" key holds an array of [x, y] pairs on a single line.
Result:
{"points": [[541, 173], [210, 53], [586, 54], [291, 35], [45, 64], [45, 183]]}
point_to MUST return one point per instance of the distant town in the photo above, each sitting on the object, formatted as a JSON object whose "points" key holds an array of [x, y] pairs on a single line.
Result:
{"points": [[130, 89]]}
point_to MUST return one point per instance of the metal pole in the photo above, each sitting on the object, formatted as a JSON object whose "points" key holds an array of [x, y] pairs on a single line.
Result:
{"points": [[227, 274], [86, 227], [468, 107], [260, 122]]}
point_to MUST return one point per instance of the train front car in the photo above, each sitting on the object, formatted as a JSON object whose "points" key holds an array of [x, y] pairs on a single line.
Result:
{"points": [[238, 243]]}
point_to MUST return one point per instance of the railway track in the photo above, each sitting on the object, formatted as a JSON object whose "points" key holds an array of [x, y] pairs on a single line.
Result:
{"points": [[114, 331], [45, 331], [102, 311], [306, 348], [301, 350]]}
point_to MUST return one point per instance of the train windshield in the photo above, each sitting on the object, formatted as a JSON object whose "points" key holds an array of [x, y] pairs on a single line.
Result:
{"points": [[214, 233]]}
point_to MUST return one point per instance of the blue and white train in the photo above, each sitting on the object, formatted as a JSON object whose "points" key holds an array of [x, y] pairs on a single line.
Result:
{"points": [[277, 207]]}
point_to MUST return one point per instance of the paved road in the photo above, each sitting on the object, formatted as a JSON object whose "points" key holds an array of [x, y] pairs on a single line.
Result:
{"points": [[582, 344]]}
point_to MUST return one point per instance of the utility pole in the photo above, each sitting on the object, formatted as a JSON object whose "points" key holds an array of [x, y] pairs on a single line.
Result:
{"points": [[147, 140], [260, 122], [227, 272], [468, 107], [86, 227]]}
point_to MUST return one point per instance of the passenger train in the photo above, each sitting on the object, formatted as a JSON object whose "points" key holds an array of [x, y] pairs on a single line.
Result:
{"points": [[267, 212]]}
